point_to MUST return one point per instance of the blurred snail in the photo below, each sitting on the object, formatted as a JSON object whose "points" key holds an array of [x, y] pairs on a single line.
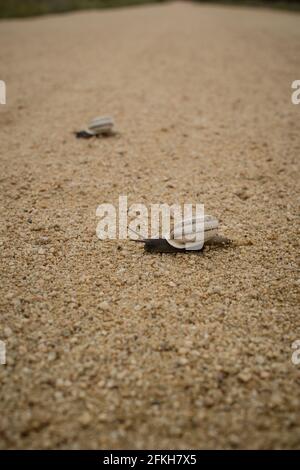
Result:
{"points": [[98, 126]]}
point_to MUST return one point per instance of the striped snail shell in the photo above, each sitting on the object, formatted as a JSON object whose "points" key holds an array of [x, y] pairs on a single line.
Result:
{"points": [[191, 234], [101, 125]]}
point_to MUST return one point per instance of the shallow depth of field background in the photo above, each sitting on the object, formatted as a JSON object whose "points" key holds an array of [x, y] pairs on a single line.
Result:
{"points": [[23, 8]]}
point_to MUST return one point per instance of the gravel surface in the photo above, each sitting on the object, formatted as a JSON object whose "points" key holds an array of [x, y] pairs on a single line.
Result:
{"points": [[111, 347]]}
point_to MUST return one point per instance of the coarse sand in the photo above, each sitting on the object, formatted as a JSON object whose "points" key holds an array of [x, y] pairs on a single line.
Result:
{"points": [[111, 347]]}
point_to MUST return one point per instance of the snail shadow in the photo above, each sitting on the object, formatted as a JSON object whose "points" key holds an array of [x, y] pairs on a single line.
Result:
{"points": [[160, 245], [87, 135]]}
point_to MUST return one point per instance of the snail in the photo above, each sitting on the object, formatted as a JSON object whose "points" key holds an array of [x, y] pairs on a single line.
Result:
{"points": [[188, 235], [98, 126]]}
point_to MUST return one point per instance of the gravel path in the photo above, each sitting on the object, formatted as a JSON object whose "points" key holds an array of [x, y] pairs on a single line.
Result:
{"points": [[108, 346]]}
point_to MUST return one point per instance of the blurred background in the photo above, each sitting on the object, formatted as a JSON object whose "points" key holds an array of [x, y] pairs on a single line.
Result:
{"points": [[23, 8]]}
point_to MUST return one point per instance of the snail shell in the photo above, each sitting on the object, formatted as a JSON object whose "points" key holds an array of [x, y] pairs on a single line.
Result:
{"points": [[101, 125], [191, 234]]}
